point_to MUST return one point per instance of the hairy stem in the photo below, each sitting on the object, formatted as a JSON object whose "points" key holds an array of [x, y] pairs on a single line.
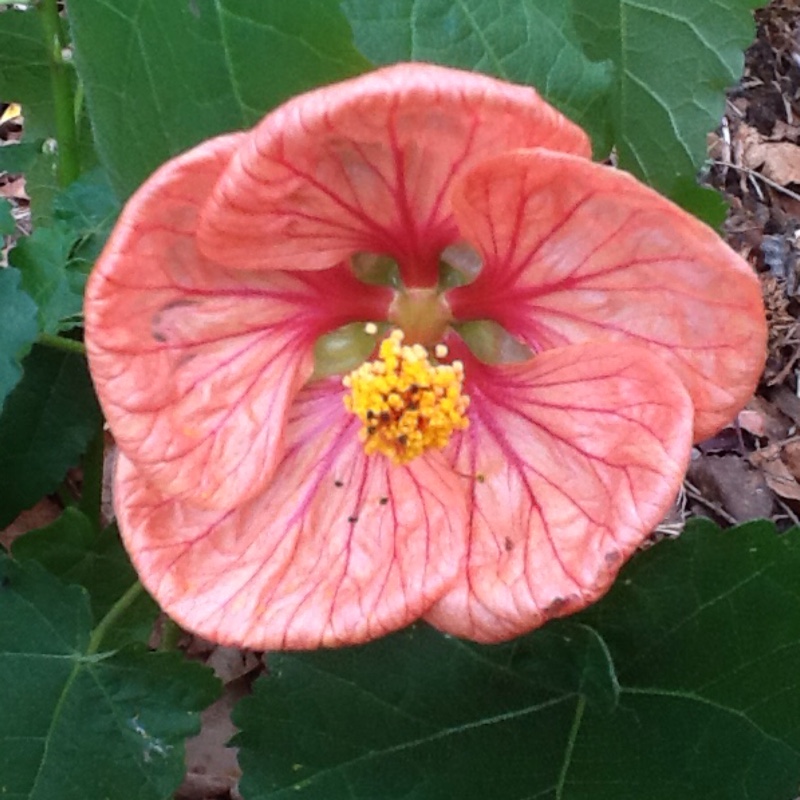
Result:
{"points": [[113, 616], [62, 343], [63, 97]]}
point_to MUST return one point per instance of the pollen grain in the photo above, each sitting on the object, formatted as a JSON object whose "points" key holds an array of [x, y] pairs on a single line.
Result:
{"points": [[406, 404]]}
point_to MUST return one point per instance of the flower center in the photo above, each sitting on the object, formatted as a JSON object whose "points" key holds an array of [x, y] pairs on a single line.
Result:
{"points": [[406, 404], [423, 315]]}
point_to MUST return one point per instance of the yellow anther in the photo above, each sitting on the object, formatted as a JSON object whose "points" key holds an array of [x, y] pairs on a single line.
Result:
{"points": [[406, 404]]}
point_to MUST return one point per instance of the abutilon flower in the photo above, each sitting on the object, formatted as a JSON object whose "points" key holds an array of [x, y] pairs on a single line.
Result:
{"points": [[403, 351]]}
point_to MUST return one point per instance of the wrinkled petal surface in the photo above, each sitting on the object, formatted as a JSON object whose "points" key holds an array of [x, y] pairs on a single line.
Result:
{"points": [[576, 454], [574, 251], [367, 165], [195, 365], [339, 549]]}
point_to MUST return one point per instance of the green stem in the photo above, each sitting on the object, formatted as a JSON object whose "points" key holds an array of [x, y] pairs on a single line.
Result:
{"points": [[92, 491], [63, 99], [112, 617], [62, 343]]}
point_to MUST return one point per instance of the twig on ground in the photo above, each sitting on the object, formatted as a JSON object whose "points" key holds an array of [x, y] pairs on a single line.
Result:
{"points": [[788, 511], [755, 174], [695, 494]]}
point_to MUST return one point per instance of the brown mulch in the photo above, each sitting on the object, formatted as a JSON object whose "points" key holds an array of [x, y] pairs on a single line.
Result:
{"points": [[752, 470]]}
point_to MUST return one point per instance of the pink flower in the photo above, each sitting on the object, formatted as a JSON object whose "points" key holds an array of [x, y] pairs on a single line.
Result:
{"points": [[613, 327]]}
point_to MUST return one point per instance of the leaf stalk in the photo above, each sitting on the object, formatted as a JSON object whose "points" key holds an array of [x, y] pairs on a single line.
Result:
{"points": [[61, 343], [113, 616]]}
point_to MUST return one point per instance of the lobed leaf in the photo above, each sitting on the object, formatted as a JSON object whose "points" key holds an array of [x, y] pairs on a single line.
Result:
{"points": [[673, 59], [72, 550], [682, 682], [78, 725]]}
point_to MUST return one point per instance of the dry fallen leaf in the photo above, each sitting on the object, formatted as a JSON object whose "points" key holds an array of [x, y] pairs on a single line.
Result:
{"points": [[775, 472], [761, 418], [778, 161]]}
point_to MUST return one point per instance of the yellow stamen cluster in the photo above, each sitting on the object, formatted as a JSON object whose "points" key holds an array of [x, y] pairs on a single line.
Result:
{"points": [[406, 404]]}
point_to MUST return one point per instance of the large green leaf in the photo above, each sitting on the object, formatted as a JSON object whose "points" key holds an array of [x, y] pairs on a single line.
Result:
{"points": [[697, 695], [46, 425], [160, 77], [18, 331], [526, 41], [74, 551], [76, 724], [674, 59]]}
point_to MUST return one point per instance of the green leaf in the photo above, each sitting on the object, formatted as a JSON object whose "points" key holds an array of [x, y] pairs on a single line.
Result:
{"points": [[704, 634], [71, 549], [25, 71], [43, 259], [192, 70], [674, 59], [55, 259], [7, 224], [76, 724], [706, 204], [46, 425], [89, 207], [25, 77], [41, 184], [525, 41], [18, 331], [17, 158]]}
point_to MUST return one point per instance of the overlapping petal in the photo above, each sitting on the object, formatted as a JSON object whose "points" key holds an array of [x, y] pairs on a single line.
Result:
{"points": [[195, 365], [368, 165], [339, 549], [574, 457], [574, 251], [243, 493]]}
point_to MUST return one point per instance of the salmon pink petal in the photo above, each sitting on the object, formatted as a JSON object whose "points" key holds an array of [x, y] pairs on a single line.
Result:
{"points": [[195, 365], [575, 251], [340, 548], [367, 165], [575, 456]]}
